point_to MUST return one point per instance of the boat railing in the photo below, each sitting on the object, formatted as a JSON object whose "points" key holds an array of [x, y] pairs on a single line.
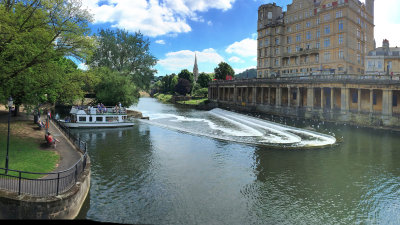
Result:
{"points": [[107, 110]]}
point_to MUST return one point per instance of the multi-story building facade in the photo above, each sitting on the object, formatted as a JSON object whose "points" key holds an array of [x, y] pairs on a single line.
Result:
{"points": [[314, 36], [383, 61]]}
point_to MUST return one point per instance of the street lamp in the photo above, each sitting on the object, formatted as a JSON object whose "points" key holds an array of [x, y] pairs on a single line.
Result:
{"points": [[10, 104]]}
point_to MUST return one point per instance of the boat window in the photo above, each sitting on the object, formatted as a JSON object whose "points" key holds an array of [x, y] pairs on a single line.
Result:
{"points": [[90, 119], [111, 119], [82, 119], [99, 119]]}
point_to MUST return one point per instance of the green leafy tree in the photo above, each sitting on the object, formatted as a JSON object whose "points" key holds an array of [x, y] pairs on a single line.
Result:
{"points": [[125, 53], [204, 79], [202, 92], [223, 70], [185, 74], [115, 87], [183, 87], [34, 36]]}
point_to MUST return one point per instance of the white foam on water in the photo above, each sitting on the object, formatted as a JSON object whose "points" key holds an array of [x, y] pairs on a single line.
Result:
{"points": [[241, 128]]}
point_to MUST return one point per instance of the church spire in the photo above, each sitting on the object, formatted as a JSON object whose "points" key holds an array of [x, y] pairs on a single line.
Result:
{"points": [[195, 68]]}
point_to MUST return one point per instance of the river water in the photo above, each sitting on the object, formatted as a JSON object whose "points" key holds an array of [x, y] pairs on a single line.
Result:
{"points": [[185, 166]]}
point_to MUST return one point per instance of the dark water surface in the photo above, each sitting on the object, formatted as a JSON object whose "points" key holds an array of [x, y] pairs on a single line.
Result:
{"points": [[169, 172]]}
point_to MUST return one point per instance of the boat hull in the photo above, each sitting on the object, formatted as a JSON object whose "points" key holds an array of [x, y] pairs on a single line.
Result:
{"points": [[98, 125]]}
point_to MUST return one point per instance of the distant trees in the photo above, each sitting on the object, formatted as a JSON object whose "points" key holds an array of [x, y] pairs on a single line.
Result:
{"points": [[204, 79], [183, 87], [127, 54], [223, 70], [126, 59]]}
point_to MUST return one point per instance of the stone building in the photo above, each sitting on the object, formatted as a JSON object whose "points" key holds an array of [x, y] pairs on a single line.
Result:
{"points": [[383, 61], [314, 37]]}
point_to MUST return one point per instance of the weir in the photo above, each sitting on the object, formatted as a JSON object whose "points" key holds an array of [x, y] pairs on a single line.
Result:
{"points": [[230, 126]]}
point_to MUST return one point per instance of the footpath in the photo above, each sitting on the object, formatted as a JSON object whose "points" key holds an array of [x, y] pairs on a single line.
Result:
{"points": [[65, 149]]}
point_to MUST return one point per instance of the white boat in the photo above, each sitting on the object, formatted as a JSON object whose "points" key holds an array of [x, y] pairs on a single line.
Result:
{"points": [[93, 117]]}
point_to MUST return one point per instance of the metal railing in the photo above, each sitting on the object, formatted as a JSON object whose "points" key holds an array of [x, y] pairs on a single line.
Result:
{"points": [[50, 184]]}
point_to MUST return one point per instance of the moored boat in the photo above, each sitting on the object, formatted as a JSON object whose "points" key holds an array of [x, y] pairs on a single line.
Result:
{"points": [[97, 117]]}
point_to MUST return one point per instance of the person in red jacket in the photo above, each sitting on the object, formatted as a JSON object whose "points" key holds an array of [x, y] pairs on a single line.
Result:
{"points": [[51, 140]]}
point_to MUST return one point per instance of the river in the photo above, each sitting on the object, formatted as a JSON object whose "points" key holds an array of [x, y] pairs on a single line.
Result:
{"points": [[185, 166]]}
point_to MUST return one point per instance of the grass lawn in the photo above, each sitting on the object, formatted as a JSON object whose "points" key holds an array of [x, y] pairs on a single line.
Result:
{"points": [[25, 151], [163, 97], [193, 102]]}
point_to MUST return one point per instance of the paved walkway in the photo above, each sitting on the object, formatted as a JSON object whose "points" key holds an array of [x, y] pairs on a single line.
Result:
{"points": [[68, 158]]}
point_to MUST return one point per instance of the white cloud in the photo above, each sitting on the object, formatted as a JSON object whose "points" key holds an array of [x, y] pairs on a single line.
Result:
{"points": [[235, 59], [161, 42], [245, 48], [240, 70], [184, 59], [153, 17], [387, 22]]}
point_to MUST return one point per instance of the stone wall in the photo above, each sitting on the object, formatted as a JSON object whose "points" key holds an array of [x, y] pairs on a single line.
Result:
{"points": [[63, 206]]}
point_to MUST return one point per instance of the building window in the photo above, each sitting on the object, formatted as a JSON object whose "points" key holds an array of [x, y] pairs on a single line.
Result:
{"points": [[327, 17], [340, 39], [358, 58], [341, 54], [289, 40], [327, 56], [276, 62], [266, 42], [277, 41], [276, 51], [327, 29], [308, 35], [354, 97], [374, 98], [298, 38], [317, 45], [327, 42], [297, 48], [308, 24], [308, 46], [339, 14], [289, 49], [394, 100], [318, 34], [340, 27], [289, 29], [317, 21]]}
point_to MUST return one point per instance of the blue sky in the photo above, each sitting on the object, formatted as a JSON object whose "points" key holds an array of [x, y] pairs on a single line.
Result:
{"points": [[216, 30]]}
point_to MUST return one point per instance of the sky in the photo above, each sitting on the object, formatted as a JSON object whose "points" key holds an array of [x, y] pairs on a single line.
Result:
{"points": [[215, 30]]}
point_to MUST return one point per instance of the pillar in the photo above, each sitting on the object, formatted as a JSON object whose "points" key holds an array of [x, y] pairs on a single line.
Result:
{"points": [[254, 95], [345, 99], [235, 91], [289, 96], [262, 95], [278, 96], [322, 98], [371, 100], [332, 98], [359, 100], [298, 97], [387, 98], [310, 98], [269, 95]]}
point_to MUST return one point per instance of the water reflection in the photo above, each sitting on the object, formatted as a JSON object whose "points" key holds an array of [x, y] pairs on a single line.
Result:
{"points": [[149, 174]]}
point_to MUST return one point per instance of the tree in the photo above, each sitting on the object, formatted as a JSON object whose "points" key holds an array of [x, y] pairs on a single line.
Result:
{"points": [[115, 87], [183, 87], [204, 79], [223, 70], [125, 53], [185, 74], [34, 36]]}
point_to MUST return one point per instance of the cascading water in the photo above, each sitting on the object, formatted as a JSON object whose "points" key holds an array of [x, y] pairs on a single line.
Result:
{"points": [[229, 126]]}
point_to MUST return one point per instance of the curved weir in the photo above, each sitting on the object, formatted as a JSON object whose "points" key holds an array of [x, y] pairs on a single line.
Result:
{"points": [[229, 126]]}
